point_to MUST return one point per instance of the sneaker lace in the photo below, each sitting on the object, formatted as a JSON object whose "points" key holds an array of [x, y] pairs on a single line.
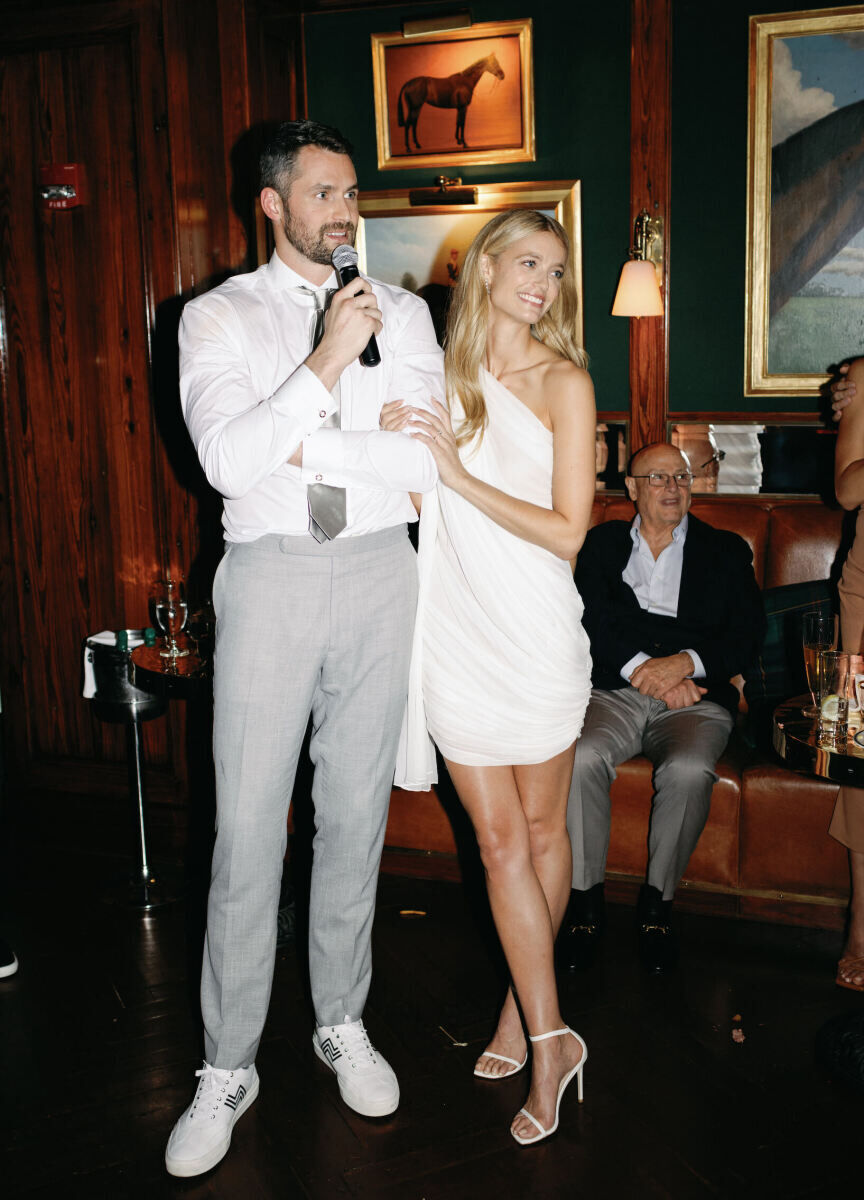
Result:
{"points": [[211, 1089], [358, 1049]]}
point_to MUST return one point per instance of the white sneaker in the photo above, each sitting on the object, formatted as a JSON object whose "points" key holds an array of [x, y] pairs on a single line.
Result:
{"points": [[367, 1082], [8, 961], [201, 1137]]}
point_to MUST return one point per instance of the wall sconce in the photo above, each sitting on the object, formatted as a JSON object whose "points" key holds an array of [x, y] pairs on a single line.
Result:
{"points": [[443, 23], [638, 293]]}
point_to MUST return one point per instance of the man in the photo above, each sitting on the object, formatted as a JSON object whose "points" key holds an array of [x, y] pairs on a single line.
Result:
{"points": [[314, 608], [673, 611]]}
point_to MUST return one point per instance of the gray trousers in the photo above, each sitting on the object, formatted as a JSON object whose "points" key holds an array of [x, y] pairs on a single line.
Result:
{"points": [[683, 744], [301, 628]]}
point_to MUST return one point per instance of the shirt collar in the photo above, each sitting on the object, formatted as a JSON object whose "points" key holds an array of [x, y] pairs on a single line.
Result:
{"points": [[280, 276], [679, 533]]}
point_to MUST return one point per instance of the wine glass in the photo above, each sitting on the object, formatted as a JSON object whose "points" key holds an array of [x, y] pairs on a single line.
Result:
{"points": [[818, 634], [169, 611]]}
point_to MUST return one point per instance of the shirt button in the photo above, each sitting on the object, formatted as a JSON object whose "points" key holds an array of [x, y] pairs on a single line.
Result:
{"points": [[319, 478], [322, 412]]}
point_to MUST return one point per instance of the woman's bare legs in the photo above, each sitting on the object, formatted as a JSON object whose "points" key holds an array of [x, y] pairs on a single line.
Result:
{"points": [[519, 816], [551, 857], [855, 940]]}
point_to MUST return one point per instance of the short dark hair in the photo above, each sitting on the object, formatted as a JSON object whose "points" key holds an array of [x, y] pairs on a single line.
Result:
{"points": [[279, 155]]}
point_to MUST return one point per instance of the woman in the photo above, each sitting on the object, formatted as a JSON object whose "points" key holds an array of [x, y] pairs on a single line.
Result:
{"points": [[501, 663], [847, 824]]}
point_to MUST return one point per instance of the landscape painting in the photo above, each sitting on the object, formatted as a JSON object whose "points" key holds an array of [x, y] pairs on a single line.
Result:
{"points": [[806, 295]]}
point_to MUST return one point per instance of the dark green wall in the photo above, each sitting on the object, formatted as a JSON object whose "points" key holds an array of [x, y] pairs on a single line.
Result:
{"points": [[582, 119], [710, 63], [581, 70]]}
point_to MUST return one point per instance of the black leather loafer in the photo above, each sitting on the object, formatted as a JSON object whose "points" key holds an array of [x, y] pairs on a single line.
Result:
{"points": [[582, 929], [658, 945]]}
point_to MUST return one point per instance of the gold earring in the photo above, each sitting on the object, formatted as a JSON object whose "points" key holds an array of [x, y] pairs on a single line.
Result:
{"points": [[486, 282]]}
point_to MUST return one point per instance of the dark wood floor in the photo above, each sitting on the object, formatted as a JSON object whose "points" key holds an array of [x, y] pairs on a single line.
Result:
{"points": [[99, 1038]]}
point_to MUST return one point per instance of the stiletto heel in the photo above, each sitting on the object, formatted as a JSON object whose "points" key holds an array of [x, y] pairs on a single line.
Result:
{"points": [[562, 1087]]}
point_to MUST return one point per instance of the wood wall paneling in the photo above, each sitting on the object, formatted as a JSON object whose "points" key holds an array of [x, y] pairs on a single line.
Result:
{"points": [[204, 117], [80, 463], [650, 150], [100, 485]]}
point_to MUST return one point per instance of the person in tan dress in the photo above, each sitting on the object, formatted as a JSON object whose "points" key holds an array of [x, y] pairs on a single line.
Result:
{"points": [[847, 824]]}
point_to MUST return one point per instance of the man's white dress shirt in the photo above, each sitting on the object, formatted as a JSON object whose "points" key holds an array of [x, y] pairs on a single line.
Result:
{"points": [[656, 583], [249, 401]]}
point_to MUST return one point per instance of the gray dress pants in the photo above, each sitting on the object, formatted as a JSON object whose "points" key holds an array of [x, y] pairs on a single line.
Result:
{"points": [[683, 744], [301, 628]]}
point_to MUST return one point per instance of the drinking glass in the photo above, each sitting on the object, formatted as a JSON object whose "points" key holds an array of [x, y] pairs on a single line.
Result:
{"points": [[169, 612], [818, 634], [832, 671]]}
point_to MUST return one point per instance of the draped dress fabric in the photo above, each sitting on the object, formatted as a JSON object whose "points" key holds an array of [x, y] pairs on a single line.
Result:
{"points": [[501, 667], [847, 823]]}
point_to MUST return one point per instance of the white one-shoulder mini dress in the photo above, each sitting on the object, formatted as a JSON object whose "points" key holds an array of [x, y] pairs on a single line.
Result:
{"points": [[501, 667]]}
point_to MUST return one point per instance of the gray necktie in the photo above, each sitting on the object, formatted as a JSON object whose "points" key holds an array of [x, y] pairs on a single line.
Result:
{"points": [[327, 511]]}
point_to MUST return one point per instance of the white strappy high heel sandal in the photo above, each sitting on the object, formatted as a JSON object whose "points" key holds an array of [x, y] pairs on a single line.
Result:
{"points": [[562, 1087], [517, 1066]]}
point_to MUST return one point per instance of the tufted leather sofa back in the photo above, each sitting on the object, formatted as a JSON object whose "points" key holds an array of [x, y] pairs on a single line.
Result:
{"points": [[792, 540]]}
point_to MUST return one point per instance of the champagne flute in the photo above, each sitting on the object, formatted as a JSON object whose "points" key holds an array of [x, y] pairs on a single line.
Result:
{"points": [[818, 634], [169, 611]]}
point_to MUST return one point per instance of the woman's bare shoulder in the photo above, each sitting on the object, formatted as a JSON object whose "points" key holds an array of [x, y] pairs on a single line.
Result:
{"points": [[565, 381]]}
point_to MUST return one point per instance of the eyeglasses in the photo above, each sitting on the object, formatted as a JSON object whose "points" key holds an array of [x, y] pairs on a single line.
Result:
{"points": [[660, 479], [716, 457]]}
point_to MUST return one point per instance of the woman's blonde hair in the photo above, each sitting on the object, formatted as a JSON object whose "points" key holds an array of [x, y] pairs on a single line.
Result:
{"points": [[467, 319]]}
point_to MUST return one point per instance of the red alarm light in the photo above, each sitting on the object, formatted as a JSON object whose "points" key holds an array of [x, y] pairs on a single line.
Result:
{"points": [[61, 185]]}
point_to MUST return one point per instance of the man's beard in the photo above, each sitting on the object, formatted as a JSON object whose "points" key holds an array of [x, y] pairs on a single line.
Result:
{"points": [[313, 245]]}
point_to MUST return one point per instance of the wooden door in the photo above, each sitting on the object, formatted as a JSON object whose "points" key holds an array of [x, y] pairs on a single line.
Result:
{"points": [[91, 508]]}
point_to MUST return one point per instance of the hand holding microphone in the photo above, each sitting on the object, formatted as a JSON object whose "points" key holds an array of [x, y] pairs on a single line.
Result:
{"points": [[344, 259]]}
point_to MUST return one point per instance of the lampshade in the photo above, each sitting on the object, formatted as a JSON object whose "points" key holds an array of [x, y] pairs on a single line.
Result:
{"points": [[638, 294]]}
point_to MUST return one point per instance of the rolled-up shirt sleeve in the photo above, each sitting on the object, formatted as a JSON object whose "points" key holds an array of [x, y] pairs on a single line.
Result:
{"points": [[240, 438]]}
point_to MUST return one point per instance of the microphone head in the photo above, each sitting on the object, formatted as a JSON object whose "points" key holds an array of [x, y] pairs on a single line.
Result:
{"points": [[344, 256]]}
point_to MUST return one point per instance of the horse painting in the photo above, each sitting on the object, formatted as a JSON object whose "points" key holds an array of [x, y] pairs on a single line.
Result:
{"points": [[453, 91]]}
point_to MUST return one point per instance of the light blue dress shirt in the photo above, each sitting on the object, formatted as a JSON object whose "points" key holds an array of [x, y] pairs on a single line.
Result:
{"points": [[656, 583]]}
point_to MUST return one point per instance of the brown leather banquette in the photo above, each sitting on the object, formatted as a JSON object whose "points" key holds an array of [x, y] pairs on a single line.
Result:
{"points": [[765, 852]]}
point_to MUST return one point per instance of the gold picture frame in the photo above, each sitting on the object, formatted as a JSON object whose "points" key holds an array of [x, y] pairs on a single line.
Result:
{"points": [[475, 83], [422, 248], [801, 181]]}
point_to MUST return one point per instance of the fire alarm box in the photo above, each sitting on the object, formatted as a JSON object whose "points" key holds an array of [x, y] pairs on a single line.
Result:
{"points": [[61, 185]]}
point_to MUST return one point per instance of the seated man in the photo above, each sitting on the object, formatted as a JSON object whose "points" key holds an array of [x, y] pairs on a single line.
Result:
{"points": [[673, 612]]}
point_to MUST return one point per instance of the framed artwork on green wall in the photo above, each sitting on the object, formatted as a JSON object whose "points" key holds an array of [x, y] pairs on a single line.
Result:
{"points": [[422, 248], [457, 98], [805, 198]]}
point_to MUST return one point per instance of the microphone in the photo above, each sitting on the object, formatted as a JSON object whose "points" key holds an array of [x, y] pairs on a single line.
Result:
{"points": [[344, 259]]}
